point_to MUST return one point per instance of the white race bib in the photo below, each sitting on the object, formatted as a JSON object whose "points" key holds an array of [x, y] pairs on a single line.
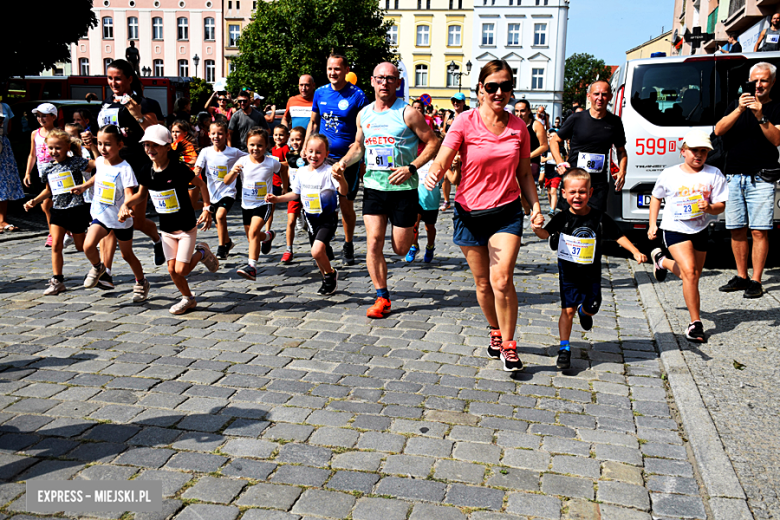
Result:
{"points": [[219, 172], [105, 192], [61, 183], [591, 162], [311, 203], [576, 250], [687, 208], [773, 38], [108, 116], [256, 194], [380, 158], [165, 201]]}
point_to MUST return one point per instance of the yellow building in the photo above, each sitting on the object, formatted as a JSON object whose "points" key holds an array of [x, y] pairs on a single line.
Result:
{"points": [[661, 43]]}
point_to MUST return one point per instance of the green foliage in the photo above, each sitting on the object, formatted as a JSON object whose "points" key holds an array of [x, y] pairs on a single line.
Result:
{"points": [[32, 44], [292, 37], [200, 91], [582, 70]]}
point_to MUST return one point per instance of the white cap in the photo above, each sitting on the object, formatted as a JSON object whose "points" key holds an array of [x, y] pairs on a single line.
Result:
{"points": [[45, 108], [157, 134], [258, 96], [697, 139]]}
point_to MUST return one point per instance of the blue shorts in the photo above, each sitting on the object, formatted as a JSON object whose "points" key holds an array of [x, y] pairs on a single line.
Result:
{"points": [[473, 231], [698, 240], [123, 235], [578, 291], [751, 203]]}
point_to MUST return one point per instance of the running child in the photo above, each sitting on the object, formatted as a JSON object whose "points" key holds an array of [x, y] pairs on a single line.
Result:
{"points": [[216, 161], [427, 212], [113, 183], [167, 181], [39, 154], [694, 192], [578, 235], [294, 162], [69, 211], [317, 186], [281, 179], [257, 174]]}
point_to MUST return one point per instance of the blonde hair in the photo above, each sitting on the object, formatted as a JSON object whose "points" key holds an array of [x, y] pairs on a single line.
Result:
{"points": [[576, 173], [75, 144]]}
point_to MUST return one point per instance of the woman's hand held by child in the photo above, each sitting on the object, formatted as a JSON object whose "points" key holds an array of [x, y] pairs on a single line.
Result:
{"points": [[640, 258]]}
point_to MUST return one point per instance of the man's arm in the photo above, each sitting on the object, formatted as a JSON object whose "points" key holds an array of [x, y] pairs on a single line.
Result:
{"points": [[416, 122], [760, 39], [620, 179]]}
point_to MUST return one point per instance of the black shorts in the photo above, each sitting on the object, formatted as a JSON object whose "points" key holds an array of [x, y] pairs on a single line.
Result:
{"points": [[76, 219], [276, 190], [400, 207], [224, 202], [322, 227], [264, 212], [699, 240], [429, 216], [352, 176], [123, 235], [578, 291]]}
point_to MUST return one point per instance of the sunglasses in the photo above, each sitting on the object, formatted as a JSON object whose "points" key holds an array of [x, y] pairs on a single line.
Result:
{"points": [[222, 99], [243, 101], [492, 87]]}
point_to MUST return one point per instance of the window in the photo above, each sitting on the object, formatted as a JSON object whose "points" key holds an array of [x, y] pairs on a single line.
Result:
{"points": [[132, 28], [419, 5], [234, 31], [238, 4], [211, 71], [230, 4], [108, 28], [83, 66], [387, 4], [421, 76], [184, 68], [451, 5], [540, 34], [392, 35], [423, 35], [488, 30], [513, 34], [396, 4], [209, 29], [539, 2], [453, 36], [157, 27], [511, 2], [231, 67], [159, 70], [452, 76], [428, 4], [537, 79], [106, 63], [183, 26], [517, 78], [254, 5]]}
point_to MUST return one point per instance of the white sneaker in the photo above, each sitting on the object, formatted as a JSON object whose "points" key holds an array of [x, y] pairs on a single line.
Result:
{"points": [[209, 260], [141, 291], [183, 306], [55, 287], [68, 241]]}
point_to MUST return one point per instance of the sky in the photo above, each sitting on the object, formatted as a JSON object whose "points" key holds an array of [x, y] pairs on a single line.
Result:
{"points": [[608, 28]]}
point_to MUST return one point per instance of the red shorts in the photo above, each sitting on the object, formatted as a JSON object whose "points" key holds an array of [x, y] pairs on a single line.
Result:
{"points": [[294, 206], [552, 183]]}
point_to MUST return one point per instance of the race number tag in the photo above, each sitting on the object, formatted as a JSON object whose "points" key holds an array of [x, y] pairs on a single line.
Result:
{"points": [[576, 250], [380, 158], [109, 116], [591, 162], [219, 172], [256, 194], [311, 203], [61, 182], [105, 192], [165, 201], [687, 208], [773, 38]]}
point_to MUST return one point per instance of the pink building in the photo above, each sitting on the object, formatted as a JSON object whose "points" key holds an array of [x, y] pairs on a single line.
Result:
{"points": [[167, 33]]}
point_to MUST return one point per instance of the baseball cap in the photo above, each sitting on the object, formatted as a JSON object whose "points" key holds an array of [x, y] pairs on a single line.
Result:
{"points": [[258, 96], [157, 134], [697, 139], [460, 96], [45, 108]]}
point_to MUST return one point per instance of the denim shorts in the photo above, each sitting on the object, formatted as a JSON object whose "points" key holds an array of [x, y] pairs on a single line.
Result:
{"points": [[751, 203], [470, 231]]}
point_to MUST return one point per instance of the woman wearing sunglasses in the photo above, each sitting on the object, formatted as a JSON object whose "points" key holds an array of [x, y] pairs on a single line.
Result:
{"points": [[222, 106], [494, 146]]}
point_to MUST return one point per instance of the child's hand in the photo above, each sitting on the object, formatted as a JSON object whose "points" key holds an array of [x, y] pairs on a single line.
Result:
{"points": [[27, 181], [336, 175], [652, 231], [338, 167], [124, 213], [78, 190], [537, 221], [205, 219], [640, 258], [237, 169], [704, 205], [30, 204], [270, 197]]}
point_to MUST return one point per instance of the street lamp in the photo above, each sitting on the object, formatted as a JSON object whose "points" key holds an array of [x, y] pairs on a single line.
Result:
{"points": [[196, 60], [451, 68]]}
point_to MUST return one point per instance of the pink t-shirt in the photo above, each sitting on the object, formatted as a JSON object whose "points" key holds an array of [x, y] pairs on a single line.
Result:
{"points": [[489, 161]]}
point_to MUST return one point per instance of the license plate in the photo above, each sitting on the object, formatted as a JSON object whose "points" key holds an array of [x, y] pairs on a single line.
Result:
{"points": [[643, 201]]}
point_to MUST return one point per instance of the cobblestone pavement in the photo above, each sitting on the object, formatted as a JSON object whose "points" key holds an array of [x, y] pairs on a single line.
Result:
{"points": [[271, 403], [742, 403]]}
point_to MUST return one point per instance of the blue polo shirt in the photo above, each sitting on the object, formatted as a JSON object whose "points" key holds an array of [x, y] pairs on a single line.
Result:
{"points": [[338, 110]]}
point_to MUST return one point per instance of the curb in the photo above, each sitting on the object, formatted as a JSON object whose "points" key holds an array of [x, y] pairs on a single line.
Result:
{"points": [[727, 499]]}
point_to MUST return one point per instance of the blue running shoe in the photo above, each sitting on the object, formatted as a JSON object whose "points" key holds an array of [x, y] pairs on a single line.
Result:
{"points": [[428, 255], [412, 254]]}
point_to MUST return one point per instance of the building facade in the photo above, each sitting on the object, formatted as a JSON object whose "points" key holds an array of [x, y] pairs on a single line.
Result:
{"points": [[237, 15], [662, 43]]}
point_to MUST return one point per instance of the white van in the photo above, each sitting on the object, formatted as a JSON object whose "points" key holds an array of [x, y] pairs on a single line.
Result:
{"points": [[659, 101]]}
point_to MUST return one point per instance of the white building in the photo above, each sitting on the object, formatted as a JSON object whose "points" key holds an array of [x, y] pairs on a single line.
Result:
{"points": [[531, 36]]}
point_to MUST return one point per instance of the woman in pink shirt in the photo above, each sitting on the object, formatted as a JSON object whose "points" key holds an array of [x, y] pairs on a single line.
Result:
{"points": [[495, 148]]}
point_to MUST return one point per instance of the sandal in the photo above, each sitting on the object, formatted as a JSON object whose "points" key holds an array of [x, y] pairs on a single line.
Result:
{"points": [[10, 227]]}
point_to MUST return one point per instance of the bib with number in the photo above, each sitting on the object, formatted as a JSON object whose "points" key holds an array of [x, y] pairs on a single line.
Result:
{"points": [[380, 158], [105, 192], [687, 208], [311, 203], [773, 38], [591, 162], [256, 194], [165, 201], [219, 172], [61, 183], [576, 250], [109, 116]]}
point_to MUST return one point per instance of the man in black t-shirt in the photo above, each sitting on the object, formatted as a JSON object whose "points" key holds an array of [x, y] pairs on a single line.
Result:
{"points": [[593, 133], [243, 121]]}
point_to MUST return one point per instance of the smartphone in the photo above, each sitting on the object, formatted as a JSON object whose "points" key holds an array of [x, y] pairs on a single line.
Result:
{"points": [[749, 88]]}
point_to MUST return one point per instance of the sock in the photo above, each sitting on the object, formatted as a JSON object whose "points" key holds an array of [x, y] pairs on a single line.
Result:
{"points": [[59, 278], [565, 345], [98, 265], [289, 249], [659, 263], [383, 293], [108, 271], [253, 263]]}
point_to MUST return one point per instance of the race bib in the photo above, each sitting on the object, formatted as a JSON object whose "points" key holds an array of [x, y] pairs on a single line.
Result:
{"points": [[773, 38], [165, 201], [576, 250], [591, 162], [311, 203], [219, 172], [105, 192], [380, 158], [687, 208], [255, 194], [61, 182], [109, 116]]}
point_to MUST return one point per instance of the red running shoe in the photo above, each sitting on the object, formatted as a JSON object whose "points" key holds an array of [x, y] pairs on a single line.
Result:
{"points": [[380, 309], [509, 356]]}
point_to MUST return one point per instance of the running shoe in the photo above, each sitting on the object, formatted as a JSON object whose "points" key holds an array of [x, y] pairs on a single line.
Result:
{"points": [[183, 306], [754, 290], [91, 280], [329, 283], [564, 359], [209, 260], [494, 349], [428, 258], [412, 254], [105, 282], [68, 241], [55, 287], [248, 272], [141, 291], [509, 356], [48, 241], [287, 257], [265, 246], [695, 332], [229, 247], [445, 205], [585, 321], [348, 253], [737, 283], [380, 309], [222, 252], [659, 271], [551, 212], [159, 254], [329, 252]]}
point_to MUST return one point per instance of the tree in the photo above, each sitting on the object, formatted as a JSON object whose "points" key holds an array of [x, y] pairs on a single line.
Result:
{"points": [[200, 91], [292, 37], [28, 50], [582, 70]]}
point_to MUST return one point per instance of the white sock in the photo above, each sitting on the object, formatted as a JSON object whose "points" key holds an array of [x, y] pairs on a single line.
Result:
{"points": [[253, 263], [108, 271], [660, 261]]}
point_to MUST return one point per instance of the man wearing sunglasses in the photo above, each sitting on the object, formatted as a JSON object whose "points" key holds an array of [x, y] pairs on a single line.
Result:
{"points": [[387, 136], [244, 120], [593, 133]]}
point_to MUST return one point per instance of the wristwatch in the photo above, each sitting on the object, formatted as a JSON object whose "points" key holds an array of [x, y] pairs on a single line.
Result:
{"points": [[412, 169], [763, 120], [140, 119]]}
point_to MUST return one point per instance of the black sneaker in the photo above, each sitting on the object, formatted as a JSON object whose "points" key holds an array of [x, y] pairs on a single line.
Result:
{"points": [[105, 282], [329, 283], [248, 272], [695, 332], [329, 252], [585, 321], [564, 359], [230, 245], [658, 271], [735, 284], [159, 254], [754, 290], [348, 253], [553, 241], [222, 252], [494, 348], [265, 245]]}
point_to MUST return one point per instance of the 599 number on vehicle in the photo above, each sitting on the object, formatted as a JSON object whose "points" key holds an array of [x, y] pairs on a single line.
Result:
{"points": [[660, 146]]}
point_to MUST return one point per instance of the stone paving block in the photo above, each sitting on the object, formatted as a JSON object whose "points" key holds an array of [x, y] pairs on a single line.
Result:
{"points": [[353, 481], [288, 432], [268, 514], [246, 428], [473, 452], [380, 508], [680, 506], [172, 481], [618, 454], [201, 511], [512, 478], [324, 503], [424, 428], [667, 451], [472, 496], [527, 459], [518, 440], [52, 470], [201, 462], [339, 437], [566, 446], [269, 495], [357, 460], [211, 489], [536, 506], [11, 465], [196, 441], [157, 437], [303, 454], [609, 512], [411, 489], [97, 452], [459, 471], [674, 485], [580, 466], [573, 487], [381, 442], [428, 447], [622, 473], [145, 457], [48, 447], [471, 434], [668, 467], [25, 423], [247, 468], [408, 465], [622, 494], [300, 475], [432, 512]]}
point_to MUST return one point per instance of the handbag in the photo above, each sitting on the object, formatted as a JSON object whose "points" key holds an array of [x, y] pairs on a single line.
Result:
{"points": [[770, 175]]}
